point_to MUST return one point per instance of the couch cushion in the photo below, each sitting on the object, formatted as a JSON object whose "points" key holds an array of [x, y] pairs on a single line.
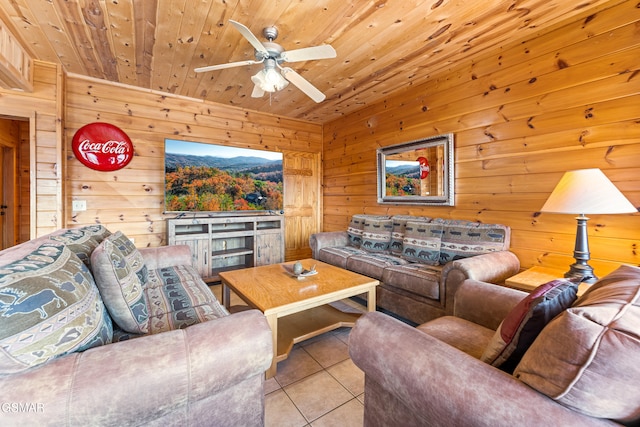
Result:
{"points": [[82, 241], [422, 242], [373, 265], [459, 333], [587, 358], [338, 255], [119, 272], [420, 279], [49, 306], [178, 298], [356, 227], [523, 324], [376, 234], [462, 239], [399, 223]]}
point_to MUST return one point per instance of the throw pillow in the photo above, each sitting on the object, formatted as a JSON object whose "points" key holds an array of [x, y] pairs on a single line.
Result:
{"points": [[421, 242], [354, 231], [356, 227], [121, 275], [587, 358], [82, 241], [376, 234], [49, 306], [397, 234], [133, 255], [523, 324], [462, 239]]}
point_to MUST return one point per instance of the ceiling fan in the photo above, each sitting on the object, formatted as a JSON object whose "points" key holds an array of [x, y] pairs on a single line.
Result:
{"points": [[274, 76]]}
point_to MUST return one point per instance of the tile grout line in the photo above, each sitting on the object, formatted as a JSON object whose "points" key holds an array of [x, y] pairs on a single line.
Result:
{"points": [[326, 370]]}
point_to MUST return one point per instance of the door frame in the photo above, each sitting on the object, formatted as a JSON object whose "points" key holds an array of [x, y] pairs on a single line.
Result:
{"points": [[8, 193], [12, 228]]}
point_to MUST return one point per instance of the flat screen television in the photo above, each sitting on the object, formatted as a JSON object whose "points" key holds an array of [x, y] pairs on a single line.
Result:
{"points": [[202, 177]]}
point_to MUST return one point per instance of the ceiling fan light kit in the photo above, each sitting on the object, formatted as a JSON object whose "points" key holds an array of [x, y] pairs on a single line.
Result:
{"points": [[269, 79], [273, 77]]}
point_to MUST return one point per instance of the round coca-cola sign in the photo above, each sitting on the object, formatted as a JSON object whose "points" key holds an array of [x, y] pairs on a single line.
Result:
{"points": [[102, 146]]}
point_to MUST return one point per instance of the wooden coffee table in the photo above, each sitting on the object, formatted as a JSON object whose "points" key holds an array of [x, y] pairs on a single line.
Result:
{"points": [[297, 309]]}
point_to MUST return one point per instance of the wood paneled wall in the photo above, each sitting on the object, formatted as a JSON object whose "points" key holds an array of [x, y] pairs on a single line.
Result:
{"points": [[522, 115], [40, 163], [132, 199]]}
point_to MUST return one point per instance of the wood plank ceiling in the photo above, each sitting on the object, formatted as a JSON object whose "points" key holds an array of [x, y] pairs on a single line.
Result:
{"points": [[383, 46]]}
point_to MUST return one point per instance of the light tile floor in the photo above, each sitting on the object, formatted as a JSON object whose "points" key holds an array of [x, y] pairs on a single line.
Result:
{"points": [[317, 385]]}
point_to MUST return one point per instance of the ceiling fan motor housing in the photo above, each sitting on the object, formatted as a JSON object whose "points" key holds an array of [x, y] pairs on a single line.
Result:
{"points": [[274, 50], [270, 33]]}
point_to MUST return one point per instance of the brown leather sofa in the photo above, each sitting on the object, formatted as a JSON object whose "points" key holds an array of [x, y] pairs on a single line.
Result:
{"points": [[419, 283]]}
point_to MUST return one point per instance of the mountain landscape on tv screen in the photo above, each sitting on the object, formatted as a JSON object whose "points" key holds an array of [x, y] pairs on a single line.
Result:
{"points": [[211, 183]]}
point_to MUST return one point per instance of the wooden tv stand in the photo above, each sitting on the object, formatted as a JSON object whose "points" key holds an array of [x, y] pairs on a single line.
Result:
{"points": [[228, 242]]}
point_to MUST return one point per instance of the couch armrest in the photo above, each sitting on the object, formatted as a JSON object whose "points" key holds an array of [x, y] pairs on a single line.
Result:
{"points": [[428, 382], [152, 378], [485, 303], [166, 256], [327, 239], [494, 267]]}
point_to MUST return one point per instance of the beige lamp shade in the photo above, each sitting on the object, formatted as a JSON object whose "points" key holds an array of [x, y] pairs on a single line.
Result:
{"points": [[587, 191]]}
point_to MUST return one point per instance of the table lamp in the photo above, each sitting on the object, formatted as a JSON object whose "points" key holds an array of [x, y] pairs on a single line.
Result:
{"points": [[585, 191]]}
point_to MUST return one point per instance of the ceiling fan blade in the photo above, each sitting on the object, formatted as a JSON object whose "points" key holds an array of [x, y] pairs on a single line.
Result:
{"points": [[309, 53], [257, 92], [257, 45], [223, 66], [303, 84]]}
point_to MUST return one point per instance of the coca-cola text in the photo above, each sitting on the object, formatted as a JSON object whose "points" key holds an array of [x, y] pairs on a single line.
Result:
{"points": [[107, 147]]}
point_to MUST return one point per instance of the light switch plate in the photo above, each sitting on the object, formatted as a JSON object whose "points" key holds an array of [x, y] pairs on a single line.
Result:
{"points": [[79, 205]]}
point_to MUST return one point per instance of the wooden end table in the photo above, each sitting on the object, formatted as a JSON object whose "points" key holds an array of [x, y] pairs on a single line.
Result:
{"points": [[297, 309], [533, 277]]}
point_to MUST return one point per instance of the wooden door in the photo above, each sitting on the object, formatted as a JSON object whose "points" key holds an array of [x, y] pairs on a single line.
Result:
{"points": [[3, 213], [302, 202], [9, 191]]}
